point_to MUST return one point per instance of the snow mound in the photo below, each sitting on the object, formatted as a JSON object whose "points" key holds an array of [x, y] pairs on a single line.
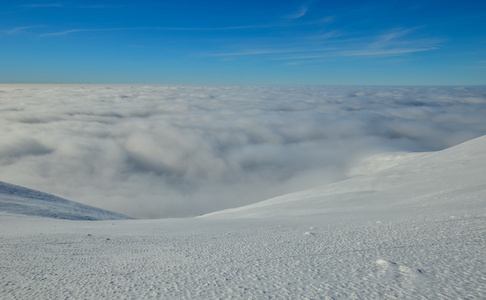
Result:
{"points": [[431, 182], [19, 200]]}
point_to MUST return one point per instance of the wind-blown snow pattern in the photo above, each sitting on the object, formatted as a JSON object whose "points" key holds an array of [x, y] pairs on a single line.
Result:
{"points": [[19, 200], [413, 228]]}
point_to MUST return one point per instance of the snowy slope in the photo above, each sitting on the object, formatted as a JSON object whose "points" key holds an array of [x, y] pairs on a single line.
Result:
{"points": [[415, 230], [19, 200], [452, 179]]}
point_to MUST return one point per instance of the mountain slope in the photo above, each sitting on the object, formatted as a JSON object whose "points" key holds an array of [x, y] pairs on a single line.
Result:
{"points": [[414, 230], [19, 200], [451, 179]]}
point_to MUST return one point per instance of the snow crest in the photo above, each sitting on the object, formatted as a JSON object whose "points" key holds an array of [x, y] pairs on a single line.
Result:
{"points": [[19, 200]]}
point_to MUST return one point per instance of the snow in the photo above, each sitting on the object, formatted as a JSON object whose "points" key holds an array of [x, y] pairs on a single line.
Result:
{"points": [[413, 230], [20, 200], [421, 183]]}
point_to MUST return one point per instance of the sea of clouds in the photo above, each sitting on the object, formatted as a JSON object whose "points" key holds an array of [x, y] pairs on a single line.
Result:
{"points": [[174, 151]]}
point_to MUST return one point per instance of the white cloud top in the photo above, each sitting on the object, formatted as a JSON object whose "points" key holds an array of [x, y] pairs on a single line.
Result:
{"points": [[163, 151]]}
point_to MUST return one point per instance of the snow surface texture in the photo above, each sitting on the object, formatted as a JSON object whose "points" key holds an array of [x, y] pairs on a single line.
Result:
{"points": [[18, 200], [168, 151], [414, 230]]}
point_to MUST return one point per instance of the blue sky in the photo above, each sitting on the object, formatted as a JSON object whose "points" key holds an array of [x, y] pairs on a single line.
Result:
{"points": [[244, 42]]}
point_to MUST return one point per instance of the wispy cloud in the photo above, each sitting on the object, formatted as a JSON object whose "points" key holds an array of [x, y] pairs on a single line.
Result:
{"points": [[66, 32], [330, 44], [243, 27], [101, 6], [328, 19], [94, 6], [43, 5], [71, 6], [395, 42], [327, 35], [310, 56], [336, 52], [397, 36], [281, 45], [384, 52], [262, 52], [298, 14], [302, 11], [21, 29]]}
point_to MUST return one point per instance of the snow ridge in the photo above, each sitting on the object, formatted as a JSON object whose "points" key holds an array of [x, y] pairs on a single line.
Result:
{"points": [[425, 183], [15, 199]]}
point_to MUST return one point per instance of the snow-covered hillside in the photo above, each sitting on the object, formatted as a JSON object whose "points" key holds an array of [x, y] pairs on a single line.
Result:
{"points": [[414, 230], [450, 180], [19, 200]]}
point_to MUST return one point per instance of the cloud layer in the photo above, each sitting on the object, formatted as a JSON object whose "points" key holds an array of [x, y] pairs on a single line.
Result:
{"points": [[171, 151]]}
